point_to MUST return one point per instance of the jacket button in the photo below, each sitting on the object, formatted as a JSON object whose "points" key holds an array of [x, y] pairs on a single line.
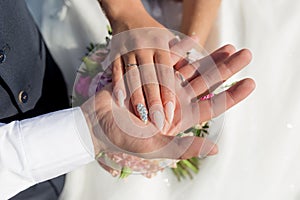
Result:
{"points": [[23, 97], [2, 56]]}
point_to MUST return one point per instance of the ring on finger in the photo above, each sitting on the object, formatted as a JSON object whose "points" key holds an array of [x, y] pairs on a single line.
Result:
{"points": [[131, 65], [207, 97]]}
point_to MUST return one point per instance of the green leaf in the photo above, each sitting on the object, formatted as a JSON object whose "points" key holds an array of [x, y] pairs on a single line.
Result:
{"points": [[91, 67], [189, 130], [180, 171], [180, 134], [109, 29], [125, 172], [190, 166], [197, 132], [91, 47], [195, 161], [184, 170], [177, 174]]}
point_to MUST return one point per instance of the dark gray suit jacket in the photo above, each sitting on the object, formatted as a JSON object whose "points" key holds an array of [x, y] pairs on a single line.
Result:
{"points": [[30, 82], [23, 59]]}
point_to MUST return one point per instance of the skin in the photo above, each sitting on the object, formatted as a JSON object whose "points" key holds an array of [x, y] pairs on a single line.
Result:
{"points": [[111, 134], [198, 17], [117, 129], [130, 14]]}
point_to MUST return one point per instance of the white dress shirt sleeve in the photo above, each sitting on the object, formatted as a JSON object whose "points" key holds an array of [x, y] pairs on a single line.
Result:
{"points": [[41, 148]]}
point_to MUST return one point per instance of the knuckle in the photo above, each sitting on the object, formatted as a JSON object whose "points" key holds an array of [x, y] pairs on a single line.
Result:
{"points": [[153, 101], [144, 53], [160, 42], [129, 56], [165, 72], [163, 59], [224, 71], [137, 97], [167, 95], [139, 43]]}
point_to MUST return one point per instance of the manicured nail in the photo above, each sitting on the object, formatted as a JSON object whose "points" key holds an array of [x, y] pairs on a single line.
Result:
{"points": [[121, 98], [180, 76], [142, 110], [170, 111], [202, 157], [213, 151], [158, 119]]}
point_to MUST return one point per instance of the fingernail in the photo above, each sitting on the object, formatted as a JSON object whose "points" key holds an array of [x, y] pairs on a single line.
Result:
{"points": [[121, 98], [180, 76], [158, 119], [170, 111], [142, 112], [213, 151]]}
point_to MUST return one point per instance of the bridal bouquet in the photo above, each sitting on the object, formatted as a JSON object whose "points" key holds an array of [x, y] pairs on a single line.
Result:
{"points": [[92, 78]]}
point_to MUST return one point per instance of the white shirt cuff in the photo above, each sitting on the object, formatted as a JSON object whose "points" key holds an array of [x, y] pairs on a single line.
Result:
{"points": [[56, 143]]}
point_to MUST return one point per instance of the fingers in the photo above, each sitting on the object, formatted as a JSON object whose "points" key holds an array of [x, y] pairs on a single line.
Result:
{"points": [[151, 84], [190, 71], [134, 84], [213, 77], [151, 88], [118, 82], [200, 147], [159, 99], [179, 49], [225, 100], [179, 147], [165, 74], [109, 169]]}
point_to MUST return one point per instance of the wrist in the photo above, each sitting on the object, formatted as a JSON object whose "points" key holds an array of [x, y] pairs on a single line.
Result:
{"points": [[122, 12], [90, 118]]}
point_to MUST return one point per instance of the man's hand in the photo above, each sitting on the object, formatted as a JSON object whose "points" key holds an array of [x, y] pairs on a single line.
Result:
{"points": [[117, 129]]}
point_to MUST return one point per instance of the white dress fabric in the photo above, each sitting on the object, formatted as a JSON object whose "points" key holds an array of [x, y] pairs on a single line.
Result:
{"points": [[68, 27], [259, 147]]}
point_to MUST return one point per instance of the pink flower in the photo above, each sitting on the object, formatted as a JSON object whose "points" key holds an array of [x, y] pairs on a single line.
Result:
{"points": [[98, 82], [103, 81], [148, 168], [94, 84], [82, 86]]}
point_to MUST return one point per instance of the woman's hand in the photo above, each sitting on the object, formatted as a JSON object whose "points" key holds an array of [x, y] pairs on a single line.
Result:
{"points": [[140, 53]]}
